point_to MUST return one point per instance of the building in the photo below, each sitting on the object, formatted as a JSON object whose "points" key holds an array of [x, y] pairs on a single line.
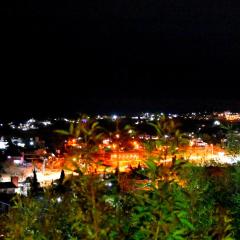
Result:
{"points": [[14, 186], [18, 160], [10, 187]]}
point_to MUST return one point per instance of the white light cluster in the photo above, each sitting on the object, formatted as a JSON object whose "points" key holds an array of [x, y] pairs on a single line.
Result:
{"points": [[3, 144], [30, 124], [46, 123]]}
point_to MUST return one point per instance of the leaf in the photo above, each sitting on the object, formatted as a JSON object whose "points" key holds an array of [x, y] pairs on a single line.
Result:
{"points": [[94, 125], [71, 128], [228, 228], [186, 223], [140, 208], [62, 132], [85, 131], [172, 124], [177, 237], [151, 165], [228, 237], [77, 132], [177, 133], [179, 232], [182, 214], [113, 234], [99, 136]]}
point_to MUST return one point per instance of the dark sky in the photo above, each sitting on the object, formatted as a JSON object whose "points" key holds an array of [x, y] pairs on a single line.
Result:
{"points": [[152, 54]]}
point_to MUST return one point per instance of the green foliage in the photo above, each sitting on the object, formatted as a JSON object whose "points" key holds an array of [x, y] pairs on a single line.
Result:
{"points": [[84, 128], [161, 214], [179, 202], [168, 136], [232, 143]]}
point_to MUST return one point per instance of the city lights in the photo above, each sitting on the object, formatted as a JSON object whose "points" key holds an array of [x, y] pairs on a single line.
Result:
{"points": [[118, 149]]}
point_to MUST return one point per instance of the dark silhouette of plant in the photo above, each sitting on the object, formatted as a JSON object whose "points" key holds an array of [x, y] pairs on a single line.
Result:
{"points": [[35, 185], [62, 176]]}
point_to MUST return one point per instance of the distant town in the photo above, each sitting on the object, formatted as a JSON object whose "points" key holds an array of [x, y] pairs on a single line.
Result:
{"points": [[35, 144], [127, 153]]}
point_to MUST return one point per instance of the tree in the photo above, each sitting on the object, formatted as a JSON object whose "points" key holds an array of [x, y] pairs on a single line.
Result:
{"points": [[62, 176], [35, 185], [169, 137], [87, 134], [232, 143]]}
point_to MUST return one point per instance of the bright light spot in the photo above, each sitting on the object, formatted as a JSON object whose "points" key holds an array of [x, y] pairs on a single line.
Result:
{"points": [[21, 144], [109, 184], [114, 117], [59, 199], [216, 123], [17, 161], [136, 145], [221, 154], [106, 141], [117, 136]]}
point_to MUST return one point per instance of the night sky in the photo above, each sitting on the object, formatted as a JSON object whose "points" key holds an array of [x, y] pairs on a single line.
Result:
{"points": [[118, 56]]}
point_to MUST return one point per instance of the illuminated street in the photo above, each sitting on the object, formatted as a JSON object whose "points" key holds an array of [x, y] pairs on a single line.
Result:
{"points": [[124, 160]]}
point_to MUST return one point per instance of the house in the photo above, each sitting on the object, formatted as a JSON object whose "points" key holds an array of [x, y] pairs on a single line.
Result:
{"points": [[18, 160], [10, 187]]}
